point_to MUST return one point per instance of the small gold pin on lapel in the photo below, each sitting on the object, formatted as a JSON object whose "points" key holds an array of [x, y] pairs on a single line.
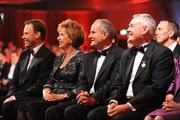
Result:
{"points": [[143, 64]]}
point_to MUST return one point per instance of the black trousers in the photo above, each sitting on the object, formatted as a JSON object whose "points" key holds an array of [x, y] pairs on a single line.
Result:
{"points": [[100, 113], [34, 109], [39, 109], [9, 109], [78, 112], [56, 112]]}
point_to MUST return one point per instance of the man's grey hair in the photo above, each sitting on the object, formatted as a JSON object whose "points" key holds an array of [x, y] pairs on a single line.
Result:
{"points": [[107, 26], [146, 20]]}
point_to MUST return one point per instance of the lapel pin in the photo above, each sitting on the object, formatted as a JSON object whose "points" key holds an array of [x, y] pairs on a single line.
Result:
{"points": [[143, 64]]}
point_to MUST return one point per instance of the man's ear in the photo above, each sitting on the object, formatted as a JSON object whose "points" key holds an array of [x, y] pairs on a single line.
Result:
{"points": [[105, 35], [146, 29], [171, 33], [37, 34]]}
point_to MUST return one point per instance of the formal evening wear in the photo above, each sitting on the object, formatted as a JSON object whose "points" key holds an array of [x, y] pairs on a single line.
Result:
{"points": [[149, 86], [62, 81], [97, 79], [28, 83]]}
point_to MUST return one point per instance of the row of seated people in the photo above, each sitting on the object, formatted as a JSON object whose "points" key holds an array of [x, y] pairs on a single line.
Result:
{"points": [[108, 83]]}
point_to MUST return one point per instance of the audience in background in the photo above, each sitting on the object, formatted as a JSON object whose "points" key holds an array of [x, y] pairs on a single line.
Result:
{"points": [[57, 50], [1, 46], [32, 69], [167, 33], [94, 90], [171, 106], [8, 72]]}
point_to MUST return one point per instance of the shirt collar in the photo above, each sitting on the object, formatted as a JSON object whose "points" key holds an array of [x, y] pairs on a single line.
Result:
{"points": [[37, 48], [172, 46]]}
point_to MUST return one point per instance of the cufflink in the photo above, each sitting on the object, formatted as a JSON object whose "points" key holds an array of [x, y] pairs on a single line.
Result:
{"points": [[66, 96]]}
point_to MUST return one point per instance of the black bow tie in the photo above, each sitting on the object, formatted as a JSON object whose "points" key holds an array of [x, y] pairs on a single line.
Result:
{"points": [[140, 49], [31, 52], [103, 53]]}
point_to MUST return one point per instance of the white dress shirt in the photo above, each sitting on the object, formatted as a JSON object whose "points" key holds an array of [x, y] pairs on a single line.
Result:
{"points": [[35, 50], [98, 67]]}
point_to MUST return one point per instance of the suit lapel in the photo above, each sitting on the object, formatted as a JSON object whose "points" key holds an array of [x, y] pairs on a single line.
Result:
{"points": [[34, 61], [129, 65], [106, 62], [145, 59], [24, 65], [176, 51], [91, 63], [25, 62]]}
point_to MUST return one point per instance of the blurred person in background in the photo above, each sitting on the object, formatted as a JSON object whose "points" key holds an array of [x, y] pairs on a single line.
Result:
{"points": [[167, 33], [1, 46], [8, 72]]}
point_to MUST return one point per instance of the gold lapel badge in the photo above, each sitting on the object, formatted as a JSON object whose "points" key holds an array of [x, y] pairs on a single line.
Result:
{"points": [[143, 64]]}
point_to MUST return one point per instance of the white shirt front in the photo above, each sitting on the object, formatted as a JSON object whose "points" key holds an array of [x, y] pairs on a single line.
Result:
{"points": [[137, 61], [35, 51], [172, 47], [136, 64], [98, 67]]}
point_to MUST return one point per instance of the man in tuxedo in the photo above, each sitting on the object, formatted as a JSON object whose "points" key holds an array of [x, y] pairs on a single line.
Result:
{"points": [[144, 74], [166, 34], [98, 67], [32, 69]]}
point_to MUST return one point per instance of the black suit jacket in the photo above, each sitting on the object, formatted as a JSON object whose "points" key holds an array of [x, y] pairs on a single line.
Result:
{"points": [[152, 79], [103, 78], [37, 74], [176, 51], [5, 70]]}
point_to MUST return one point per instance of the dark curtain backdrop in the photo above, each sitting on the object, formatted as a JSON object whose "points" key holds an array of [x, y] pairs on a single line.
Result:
{"points": [[12, 28]]}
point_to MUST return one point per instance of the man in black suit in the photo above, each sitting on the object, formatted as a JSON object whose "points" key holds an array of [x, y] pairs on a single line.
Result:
{"points": [[167, 33], [98, 67], [145, 72], [32, 69]]}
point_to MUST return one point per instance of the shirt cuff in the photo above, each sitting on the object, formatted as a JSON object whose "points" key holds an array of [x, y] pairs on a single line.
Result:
{"points": [[132, 108], [113, 101], [47, 86], [13, 97]]}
